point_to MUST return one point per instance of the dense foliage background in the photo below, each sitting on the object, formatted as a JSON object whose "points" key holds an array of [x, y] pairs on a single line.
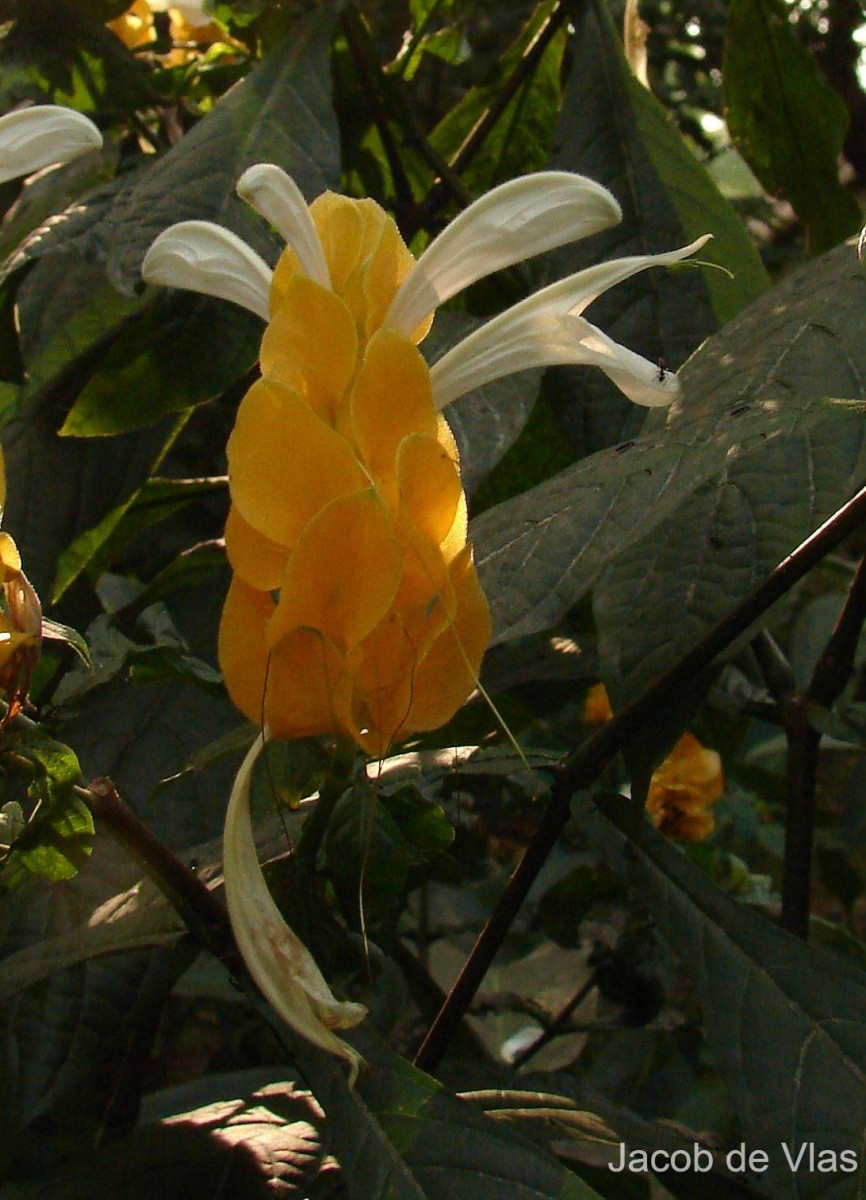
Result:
{"points": [[648, 992]]}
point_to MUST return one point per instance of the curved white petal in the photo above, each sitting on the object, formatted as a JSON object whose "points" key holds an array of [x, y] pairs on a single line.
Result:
{"points": [[278, 961], [513, 222], [546, 330], [37, 137], [276, 196], [203, 257]]}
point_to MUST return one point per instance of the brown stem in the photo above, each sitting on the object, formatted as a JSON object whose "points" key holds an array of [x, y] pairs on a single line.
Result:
{"points": [[449, 172], [832, 672], [524, 71], [207, 919], [370, 71], [583, 766]]}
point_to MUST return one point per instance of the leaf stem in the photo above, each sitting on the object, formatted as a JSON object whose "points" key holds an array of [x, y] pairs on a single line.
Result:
{"points": [[583, 765]]}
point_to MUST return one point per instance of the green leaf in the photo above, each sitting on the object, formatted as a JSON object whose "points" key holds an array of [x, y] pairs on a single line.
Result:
{"points": [[759, 987], [58, 51], [182, 352], [800, 342], [537, 554], [786, 120], [57, 835], [155, 501], [54, 631], [399, 1133], [521, 138], [366, 856], [64, 1041], [185, 351], [282, 113], [614, 130], [163, 657], [140, 736]]}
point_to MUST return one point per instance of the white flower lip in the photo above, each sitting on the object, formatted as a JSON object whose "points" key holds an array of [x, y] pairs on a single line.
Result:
{"points": [[513, 222], [278, 961], [203, 257], [276, 197], [547, 329], [37, 137]]}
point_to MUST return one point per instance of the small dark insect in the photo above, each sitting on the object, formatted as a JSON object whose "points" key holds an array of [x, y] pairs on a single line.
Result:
{"points": [[663, 371]]}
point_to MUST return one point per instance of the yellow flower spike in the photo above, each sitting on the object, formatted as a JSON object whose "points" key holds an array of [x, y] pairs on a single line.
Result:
{"points": [[325, 698], [338, 358], [429, 486], [340, 461], [243, 649], [449, 670], [278, 961]]}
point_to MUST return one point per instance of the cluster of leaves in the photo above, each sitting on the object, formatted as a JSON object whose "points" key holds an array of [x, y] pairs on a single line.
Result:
{"points": [[609, 541]]}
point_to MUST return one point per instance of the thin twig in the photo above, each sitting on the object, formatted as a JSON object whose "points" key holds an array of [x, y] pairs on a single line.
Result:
{"points": [[583, 766], [832, 672], [551, 1030], [204, 915], [358, 41], [449, 173], [524, 71]]}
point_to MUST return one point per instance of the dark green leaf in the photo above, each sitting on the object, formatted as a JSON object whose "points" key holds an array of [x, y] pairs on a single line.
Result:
{"points": [[786, 120], [614, 130], [250, 1147], [155, 501], [182, 352], [58, 51], [401, 1134], [521, 138], [759, 987], [800, 342], [58, 835], [752, 406]]}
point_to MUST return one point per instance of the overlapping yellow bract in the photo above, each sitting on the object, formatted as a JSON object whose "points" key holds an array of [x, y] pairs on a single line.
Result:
{"points": [[355, 608]]}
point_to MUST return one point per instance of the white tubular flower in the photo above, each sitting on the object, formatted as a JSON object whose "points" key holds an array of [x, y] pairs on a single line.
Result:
{"points": [[278, 961], [547, 329], [205, 258], [516, 221], [37, 137], [276, 197], [513, 222]]}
